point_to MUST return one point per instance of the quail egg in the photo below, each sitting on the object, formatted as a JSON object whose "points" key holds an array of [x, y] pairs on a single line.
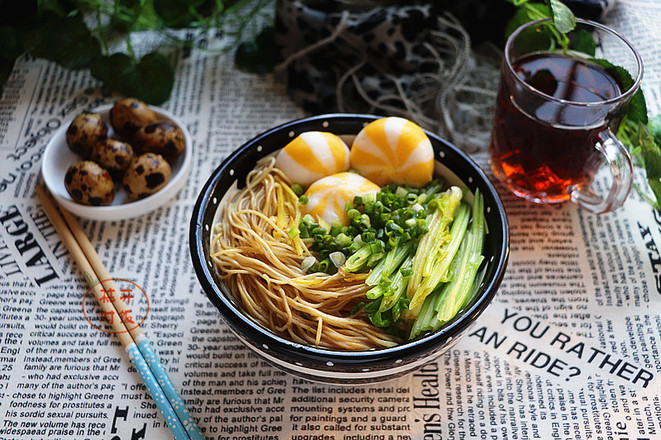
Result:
{"points": [[90, 184], [162, 138], [113, 155], [84, 132], [147, 174], [129, 114]]}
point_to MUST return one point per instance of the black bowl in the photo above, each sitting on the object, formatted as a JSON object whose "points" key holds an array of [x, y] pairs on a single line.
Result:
{"points": [[343, 367]]}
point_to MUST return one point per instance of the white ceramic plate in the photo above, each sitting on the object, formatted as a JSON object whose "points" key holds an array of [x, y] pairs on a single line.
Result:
{"points": [[58, 157]]}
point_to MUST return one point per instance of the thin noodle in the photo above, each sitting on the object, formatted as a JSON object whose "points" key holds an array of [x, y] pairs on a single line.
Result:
{"points": [[320, 327], [260, 264]]}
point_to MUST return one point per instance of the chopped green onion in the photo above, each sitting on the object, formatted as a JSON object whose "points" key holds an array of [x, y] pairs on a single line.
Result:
{"points": [[342, 240], [393, 240], [293, 232], [361, 221], [337, 258], [369, 197], [323, 265], [303, 200], [298, 189], [368, 236], [358, 260], [318, 230], [335, 228], [377, 246], [307, 263]]}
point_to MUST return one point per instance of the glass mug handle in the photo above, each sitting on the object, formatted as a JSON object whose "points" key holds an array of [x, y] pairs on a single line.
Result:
{"points": [[621, 168]]}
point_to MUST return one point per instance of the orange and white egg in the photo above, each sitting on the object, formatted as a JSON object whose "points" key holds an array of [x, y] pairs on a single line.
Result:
{"points": [[313, 155], [395, 150], [328, 196]]}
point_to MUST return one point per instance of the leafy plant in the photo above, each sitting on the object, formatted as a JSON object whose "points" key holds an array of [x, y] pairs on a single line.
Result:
{"points": [[86, 34]]}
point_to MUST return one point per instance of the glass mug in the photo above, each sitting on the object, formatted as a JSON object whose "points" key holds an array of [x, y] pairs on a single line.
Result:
{"points": [[556, 114]]}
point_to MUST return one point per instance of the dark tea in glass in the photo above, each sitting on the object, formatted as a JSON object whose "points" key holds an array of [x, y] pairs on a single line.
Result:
{"points": [[553, 126], [549, 156]]}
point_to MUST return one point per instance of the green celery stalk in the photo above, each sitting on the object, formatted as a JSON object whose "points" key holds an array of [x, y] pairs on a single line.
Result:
{"points": [[359, 259], [458, 294], [441, 258], [444, 303], [426, 319], [398, 285], [426, 316], [390, 262], [437, 234]]}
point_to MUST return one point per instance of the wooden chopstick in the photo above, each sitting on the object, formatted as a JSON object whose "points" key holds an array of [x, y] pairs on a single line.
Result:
{"points": [[140, 352]]}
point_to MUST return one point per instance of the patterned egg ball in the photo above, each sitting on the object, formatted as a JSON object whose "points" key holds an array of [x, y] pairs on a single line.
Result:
{"points": [[128, 115], [161, 138], [85, 131], [313, 155], [393, 150], [328, 196], [90, 184], [145, 175], [113, 155]]}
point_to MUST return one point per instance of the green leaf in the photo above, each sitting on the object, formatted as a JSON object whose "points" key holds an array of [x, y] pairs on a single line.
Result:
{"points": [[374, 314], [150, 80], [563, 17], [637, 110], [66, 41], [621, 74], [11, 44], [177, 13], [259, 56], [651, 154], [126, 16], [655, 185], [111, 70], [655, 128], [60, 8], [526, 13], [640, 140], [583, 41]]}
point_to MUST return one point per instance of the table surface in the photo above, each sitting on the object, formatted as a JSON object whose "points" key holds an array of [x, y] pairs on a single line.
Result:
{"points": [[569, 346]]}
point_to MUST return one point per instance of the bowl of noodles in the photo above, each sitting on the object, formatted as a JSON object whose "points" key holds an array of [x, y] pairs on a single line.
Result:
{"points": [[331, 302]]}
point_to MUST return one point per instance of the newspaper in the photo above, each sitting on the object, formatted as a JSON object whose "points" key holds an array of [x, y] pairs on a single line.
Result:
{"points": [[569, 348]]}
